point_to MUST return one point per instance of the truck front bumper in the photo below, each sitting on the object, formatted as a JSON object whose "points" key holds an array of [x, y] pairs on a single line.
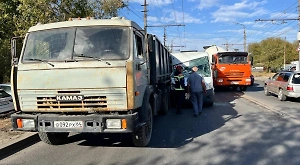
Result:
{"points": [[93, 123]]}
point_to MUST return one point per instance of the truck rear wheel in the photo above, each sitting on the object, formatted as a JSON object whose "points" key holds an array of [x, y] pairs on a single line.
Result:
{"points": [[53, 138], [142, 136]]}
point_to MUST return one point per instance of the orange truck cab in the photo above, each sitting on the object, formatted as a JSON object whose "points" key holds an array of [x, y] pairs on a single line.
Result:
{"points": [[231, 69]]}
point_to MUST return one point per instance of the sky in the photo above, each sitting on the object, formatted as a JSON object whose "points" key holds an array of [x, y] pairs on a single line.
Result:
{"points": [[192, 24]]}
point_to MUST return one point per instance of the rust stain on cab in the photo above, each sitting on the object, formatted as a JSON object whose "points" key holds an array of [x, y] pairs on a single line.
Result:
{"points": [[130, 85]]}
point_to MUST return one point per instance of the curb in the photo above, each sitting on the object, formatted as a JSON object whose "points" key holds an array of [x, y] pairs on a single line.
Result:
{"points": [[18, 144], [269, 108]]}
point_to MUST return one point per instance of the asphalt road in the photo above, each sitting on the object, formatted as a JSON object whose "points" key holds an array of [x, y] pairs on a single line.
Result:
{"points": [[233, 131]]}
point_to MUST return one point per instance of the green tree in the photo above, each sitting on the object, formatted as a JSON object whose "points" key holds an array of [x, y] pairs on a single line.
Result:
{"points": [[17, 16], [269, 53], [8, 9]]}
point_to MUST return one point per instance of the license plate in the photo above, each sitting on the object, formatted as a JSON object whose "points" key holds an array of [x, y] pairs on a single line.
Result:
{"points": [[68, 124], [234, 82]]}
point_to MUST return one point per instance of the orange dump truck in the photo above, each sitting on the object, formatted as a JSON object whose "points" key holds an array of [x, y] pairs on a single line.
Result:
{"points": [[232, 69]]}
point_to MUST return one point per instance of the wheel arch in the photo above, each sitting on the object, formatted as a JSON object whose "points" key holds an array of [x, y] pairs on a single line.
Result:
{"points": [[147, 98]]}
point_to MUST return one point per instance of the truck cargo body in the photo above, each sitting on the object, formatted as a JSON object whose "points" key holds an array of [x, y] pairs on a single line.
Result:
{"points": [[89, 76]]}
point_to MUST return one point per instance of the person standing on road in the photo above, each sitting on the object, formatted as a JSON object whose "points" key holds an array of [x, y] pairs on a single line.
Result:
{"points": [[196, 88], [179, 88]]}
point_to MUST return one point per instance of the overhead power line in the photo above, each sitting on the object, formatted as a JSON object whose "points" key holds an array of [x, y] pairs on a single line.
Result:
{"points": [[164, 26]]}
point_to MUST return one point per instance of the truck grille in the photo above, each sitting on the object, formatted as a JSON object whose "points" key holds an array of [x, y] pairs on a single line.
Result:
{"points": [[93, 100], [234, 74], [88, 102]]}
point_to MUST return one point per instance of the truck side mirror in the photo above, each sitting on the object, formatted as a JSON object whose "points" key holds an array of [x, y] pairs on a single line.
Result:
{"points": [[251, 60], [14, 58]]}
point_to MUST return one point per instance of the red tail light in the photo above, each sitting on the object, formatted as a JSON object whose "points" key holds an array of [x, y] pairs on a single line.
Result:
{"points": [[289, 88]]}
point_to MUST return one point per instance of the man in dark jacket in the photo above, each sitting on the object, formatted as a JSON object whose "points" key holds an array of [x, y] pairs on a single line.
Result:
{"points": [[196, 88], [179, 88]]}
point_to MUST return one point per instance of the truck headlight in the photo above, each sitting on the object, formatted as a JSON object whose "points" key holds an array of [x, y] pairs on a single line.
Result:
{"points": [[220, 80], [248, 80], [25, 123], [113, 123]]}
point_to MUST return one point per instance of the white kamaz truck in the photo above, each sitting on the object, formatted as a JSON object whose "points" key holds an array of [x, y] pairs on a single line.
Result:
{"points": [[89, 76]]}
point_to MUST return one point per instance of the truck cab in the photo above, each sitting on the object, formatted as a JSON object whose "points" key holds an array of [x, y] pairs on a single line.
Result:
{"points": [[89, 75]]}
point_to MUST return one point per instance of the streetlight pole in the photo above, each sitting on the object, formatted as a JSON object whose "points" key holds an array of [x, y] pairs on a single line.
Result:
{"points": [[244, 35], [298, 35]]}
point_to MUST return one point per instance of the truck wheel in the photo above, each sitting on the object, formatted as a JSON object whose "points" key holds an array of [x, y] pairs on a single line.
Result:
{"points": [[142, 136], [165, 101], [53, 138], [281, 96]]}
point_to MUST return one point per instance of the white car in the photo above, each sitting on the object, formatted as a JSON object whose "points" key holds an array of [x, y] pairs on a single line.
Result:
{"points": [[6, 88], [6, 102]]}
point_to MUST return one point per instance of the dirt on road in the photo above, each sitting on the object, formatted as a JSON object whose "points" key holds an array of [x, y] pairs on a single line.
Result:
{"points": [[6, 132]]}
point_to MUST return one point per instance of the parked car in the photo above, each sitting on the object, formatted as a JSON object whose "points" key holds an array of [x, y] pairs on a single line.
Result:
{"points": [[6, 102], [6, 88], [283, 84]]}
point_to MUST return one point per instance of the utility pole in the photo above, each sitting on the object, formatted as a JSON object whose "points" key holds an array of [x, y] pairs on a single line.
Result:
{"points": [[164, 26], [284, 53], [145, 26], [244, 35], [298, 34]]}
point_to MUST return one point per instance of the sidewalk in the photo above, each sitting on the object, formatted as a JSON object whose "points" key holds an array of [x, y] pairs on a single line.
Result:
{"points": [[261, 78], [12, 141]]}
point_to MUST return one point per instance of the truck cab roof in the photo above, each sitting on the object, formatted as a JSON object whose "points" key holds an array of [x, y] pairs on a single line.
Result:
{"points": [[86, 22]]}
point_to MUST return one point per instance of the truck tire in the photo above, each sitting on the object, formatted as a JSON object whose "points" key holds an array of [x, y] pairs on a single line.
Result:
{"points": [[165, 101], [141, 137], [53, 138]]}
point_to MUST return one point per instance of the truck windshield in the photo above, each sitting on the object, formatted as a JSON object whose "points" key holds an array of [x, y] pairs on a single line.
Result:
{"points": [[110, 43], [203, 66], [233, 59]]}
